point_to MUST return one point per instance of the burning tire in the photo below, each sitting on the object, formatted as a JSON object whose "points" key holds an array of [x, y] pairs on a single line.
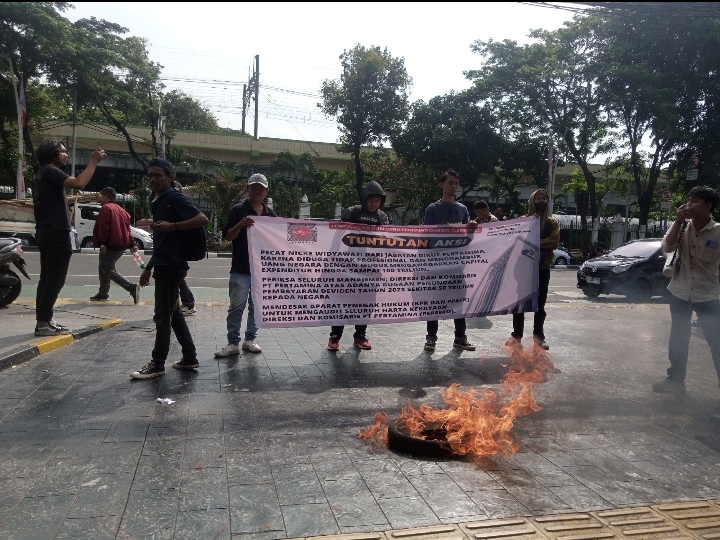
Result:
{"points": [[434, 445]]}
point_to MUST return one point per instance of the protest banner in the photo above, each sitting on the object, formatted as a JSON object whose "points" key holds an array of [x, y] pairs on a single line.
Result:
{"points": [[322, 273]]}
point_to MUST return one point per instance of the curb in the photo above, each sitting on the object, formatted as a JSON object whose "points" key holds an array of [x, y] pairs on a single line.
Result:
{"points": [[30, 351]]}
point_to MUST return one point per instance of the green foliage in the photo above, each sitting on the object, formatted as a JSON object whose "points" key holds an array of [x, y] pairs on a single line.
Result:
{"points": [[292, 176], [450, 132], [222, 191], [415, 184], [369, 100], [185, 112], [337, 187], [545, 88]]}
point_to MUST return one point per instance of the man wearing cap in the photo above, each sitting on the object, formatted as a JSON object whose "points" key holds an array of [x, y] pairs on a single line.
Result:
{"points": [[239, 219], [172, 213]]}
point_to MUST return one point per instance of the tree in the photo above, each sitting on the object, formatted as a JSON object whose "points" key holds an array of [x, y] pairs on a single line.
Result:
{"points": [[34, 41], [414, 183], [369, 100], [451, 132], [114, 77], [185, 112], [645, 81], [546, 88], [288, 171], [222, 191]]}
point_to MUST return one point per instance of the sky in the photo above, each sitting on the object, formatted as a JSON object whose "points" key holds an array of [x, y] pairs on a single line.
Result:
{"points": [[207, 48]]}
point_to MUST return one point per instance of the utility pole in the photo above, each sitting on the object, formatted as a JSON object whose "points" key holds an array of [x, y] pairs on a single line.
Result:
{"points": [[551, 176], [244, 107], [257, 93]]}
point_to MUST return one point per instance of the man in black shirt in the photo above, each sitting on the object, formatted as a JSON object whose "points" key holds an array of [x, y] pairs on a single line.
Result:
{"points": [[239, 219], [52, 225], [172, 213]]}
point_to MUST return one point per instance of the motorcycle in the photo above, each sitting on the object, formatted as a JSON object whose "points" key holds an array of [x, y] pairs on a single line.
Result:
{"points": [[10, 284]]}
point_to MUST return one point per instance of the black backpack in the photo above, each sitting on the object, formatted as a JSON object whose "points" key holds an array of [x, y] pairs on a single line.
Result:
{"points": [[194, 243]]}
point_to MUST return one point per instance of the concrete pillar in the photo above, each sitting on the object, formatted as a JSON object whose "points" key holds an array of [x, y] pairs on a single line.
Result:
{"points": [[618, 232], [641, 231], [595, 229], [269, 204], [304, 211], [338, 210]]}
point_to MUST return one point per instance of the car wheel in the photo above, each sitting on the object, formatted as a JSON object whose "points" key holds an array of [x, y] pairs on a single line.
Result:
{"points": [[591, 292], [561, 261], [87, 243], [138, 243]]}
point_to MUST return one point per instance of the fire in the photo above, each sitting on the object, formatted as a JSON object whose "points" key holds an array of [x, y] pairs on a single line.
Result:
{"points": [[476, 421]]}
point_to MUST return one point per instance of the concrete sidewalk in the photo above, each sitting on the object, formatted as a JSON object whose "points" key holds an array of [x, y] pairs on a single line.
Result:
{"points": [[265, 445]]}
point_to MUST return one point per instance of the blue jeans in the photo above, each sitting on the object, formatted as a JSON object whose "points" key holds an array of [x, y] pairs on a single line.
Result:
{"points": [[239, 296]]}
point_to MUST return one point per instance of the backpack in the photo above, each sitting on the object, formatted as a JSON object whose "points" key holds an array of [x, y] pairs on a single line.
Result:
{"points": [[194, 243]]}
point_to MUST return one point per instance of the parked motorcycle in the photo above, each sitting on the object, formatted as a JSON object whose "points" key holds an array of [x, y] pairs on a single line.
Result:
{"points": [[10, 284]]}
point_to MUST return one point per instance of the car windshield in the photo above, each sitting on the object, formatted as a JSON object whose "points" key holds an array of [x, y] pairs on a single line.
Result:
{"points": [[637, 249]]}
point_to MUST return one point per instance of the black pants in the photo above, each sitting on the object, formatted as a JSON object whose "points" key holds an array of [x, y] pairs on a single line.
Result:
{"points": [[539, 323], [336, 332], [709, 319], [186, 296], [168, 316], [460, 327], [55, 253]]}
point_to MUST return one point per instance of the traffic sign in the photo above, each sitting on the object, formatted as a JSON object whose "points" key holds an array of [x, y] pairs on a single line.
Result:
{"points": [[692, 174], [665, 206], [666, 195]]}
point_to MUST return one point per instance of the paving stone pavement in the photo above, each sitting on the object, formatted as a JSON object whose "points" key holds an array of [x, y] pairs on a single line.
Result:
{"points": [[265, 446]]}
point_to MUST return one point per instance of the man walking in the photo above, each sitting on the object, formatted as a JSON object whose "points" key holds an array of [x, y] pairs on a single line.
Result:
{"points": [[694, 287], [235, 230], [172, 214], [112, 234], [447, 211], [52, 222]]}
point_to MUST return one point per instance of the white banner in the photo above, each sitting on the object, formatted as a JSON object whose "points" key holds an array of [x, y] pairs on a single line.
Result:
{"points": [[324, 273]]}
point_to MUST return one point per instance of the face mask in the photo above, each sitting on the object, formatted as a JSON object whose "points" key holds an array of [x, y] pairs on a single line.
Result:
{"points": [[541, 207]]}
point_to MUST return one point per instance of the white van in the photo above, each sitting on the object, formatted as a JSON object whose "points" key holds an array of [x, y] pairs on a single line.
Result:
{"points": [[85, 216]]}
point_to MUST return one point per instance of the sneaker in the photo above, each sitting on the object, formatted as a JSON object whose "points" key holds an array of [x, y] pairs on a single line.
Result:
{"points": [[429, 345], [149, 371], [362, 343], [186, 310], [45, 329], [669, 386], [251, 346], [514, 342], [228, 350], [464, 344], [333, 344], [99, 298], [56, 324], [541, 343], [186, 363], [135, 292]]}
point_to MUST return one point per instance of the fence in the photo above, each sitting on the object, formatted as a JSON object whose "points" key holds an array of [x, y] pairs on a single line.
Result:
{"points": [[573, 237]]}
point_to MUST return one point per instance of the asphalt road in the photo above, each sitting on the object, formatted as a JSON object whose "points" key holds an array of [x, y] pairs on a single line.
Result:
{"points": [[208, 280]]}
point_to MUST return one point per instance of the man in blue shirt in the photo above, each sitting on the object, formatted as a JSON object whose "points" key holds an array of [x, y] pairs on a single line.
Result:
{"points": [[447, 211], [239, 219], [172, 213]]}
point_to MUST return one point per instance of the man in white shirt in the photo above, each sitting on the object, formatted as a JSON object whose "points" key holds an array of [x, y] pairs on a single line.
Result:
{"points": [[694, 287]]}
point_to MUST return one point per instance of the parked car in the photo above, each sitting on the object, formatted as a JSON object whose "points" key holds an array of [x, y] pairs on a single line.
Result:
{"points": [[634, 269], [561, 257]]}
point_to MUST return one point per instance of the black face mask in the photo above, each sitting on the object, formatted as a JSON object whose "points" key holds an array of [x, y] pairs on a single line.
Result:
{"points": [[540, 207]]}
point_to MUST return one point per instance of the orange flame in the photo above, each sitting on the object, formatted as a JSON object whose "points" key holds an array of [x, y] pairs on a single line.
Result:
{"points": [[477, 421]]}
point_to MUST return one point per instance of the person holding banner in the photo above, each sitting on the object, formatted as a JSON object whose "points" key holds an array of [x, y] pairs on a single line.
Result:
{"points": [[367, 213], [447, 211], [538, 206], [239, 219]]}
